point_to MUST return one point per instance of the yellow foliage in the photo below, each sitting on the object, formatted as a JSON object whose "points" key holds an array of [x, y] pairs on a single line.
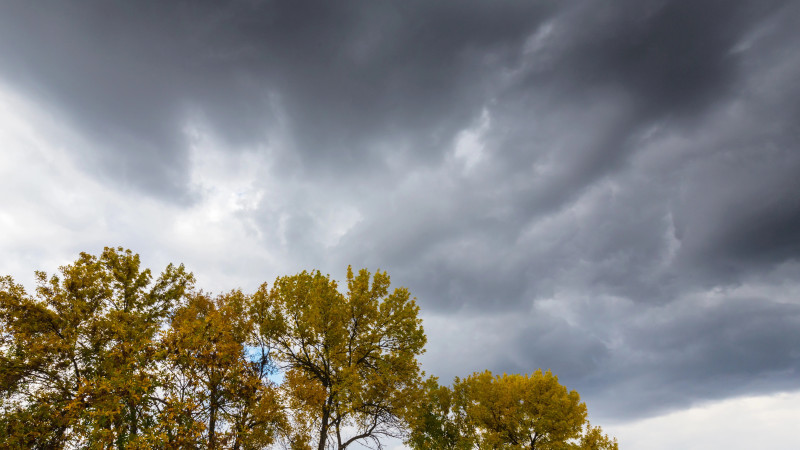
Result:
{"points": [[105, 356], [350, 359]]}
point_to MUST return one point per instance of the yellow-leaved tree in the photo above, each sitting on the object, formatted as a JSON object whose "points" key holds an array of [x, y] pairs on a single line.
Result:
{"points": [[218, 394], [350, 359], [105, 356], [523, 411], [505, 411], [76, 359]]}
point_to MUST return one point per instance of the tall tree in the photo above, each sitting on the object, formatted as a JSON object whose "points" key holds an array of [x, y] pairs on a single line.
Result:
{"points": [[220, 385], [76, 357], [350, 360], [102, 356]]}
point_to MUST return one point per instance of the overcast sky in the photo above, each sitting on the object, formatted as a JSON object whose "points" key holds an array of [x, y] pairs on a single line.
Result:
{"points": [[607, 189]]}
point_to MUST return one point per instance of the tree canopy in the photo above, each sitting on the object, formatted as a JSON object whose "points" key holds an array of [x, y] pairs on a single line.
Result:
{"points": [[350, 359], [105, 355], [504, 411]]}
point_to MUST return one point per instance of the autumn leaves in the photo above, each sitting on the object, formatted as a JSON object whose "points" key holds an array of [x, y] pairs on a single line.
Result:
{"points": [[350, 360], [103, 356], [504, 411]]}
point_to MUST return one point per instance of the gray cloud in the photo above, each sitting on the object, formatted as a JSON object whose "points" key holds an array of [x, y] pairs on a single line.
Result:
{"points": [[581, 177], [346, 79], [729, 348]]}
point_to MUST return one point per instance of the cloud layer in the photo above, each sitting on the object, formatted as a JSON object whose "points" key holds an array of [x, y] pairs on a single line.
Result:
{"points": [[609, 191]]}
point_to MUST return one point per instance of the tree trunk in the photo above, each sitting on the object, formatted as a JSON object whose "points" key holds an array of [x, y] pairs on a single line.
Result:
{"points": [[326, 415], [212, 420], [134, 419], [323, 432]]}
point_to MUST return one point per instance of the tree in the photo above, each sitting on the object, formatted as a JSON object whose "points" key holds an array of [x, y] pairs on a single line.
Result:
{"points": [[76, 359], [594, 439], [439, 420], [523, 411], [350, 360], [103, 356], [505, 411], [219, 386]]}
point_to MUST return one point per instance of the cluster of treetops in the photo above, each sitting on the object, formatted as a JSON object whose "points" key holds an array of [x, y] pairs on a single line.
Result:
{"points": [[105, 356]]}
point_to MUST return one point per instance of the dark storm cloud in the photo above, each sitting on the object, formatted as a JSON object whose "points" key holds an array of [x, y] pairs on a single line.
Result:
{"points": [[648, 152], [632, 66], [627, 158], [734, 347], [554, 141], [673, 57], [347, 77]]}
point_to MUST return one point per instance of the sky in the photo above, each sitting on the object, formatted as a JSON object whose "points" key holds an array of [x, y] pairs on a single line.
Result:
{"points": [[610, 190]]}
